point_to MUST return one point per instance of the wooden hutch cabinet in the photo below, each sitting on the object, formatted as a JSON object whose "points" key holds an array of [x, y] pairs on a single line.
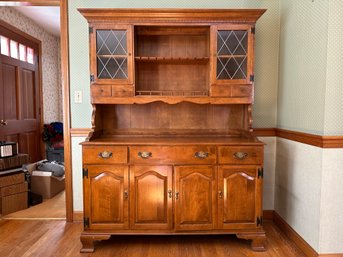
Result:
{"points": [[171, 149]]}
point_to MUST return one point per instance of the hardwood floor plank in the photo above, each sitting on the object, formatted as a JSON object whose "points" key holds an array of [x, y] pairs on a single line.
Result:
{"points": [[42, 238]]}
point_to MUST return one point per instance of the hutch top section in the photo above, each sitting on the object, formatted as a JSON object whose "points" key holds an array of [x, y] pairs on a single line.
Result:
{"points": [[142, 56]]}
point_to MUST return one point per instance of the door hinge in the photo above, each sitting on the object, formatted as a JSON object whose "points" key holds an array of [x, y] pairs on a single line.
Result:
{"points": [[260, 173], [252, 78], [92, 78], [86, 222], [252, 30], [90, 30], [259, 221], [84, 173]]}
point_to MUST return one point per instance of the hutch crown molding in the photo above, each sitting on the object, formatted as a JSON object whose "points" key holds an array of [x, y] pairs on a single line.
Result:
{"points": [[171, 149]]}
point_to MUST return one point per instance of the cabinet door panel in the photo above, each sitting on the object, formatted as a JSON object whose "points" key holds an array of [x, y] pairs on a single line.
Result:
{"points": [[195, 197], [239, 196], [111, 58], [151, 197], [106, 197], [232, 60]]}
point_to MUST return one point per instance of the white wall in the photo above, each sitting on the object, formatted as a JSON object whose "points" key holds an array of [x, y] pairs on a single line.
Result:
{"points": [[76, 151], [298, 178], [331, 208]]}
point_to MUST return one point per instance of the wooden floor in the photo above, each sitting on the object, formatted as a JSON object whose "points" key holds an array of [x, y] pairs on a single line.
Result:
{"points": [[53, 208], [57, 238]]}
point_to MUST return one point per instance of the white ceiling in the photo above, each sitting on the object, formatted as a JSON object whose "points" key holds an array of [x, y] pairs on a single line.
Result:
{"points": [[47, 17]]}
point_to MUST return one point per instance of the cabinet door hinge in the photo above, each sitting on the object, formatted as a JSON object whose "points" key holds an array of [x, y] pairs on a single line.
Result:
{"points": [[259, 221], [91, 78], [252, 78], [86, 222], [90, 30], [252, 30], [84, 173], [260, 173]]}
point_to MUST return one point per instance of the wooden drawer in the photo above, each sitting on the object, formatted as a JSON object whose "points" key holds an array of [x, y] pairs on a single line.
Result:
{"points": [[98, 91], [240, 154], [14, 189], [11, 179], [13, 203], [173, 154], [103, 154]]}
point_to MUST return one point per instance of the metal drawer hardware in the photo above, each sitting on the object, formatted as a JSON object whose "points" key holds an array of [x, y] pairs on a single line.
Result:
{"points": [[177, 195], [126, 194], [145, 155], [201, 155], [3, 122], [240, 155], [170, 193], [220, 193], [105, 155]]}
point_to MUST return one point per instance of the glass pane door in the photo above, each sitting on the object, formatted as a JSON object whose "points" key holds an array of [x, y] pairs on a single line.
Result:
{"points": [[232, 55], [112, 54]]}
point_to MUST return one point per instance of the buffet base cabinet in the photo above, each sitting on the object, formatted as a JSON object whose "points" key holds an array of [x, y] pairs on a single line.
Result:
{"points": [[172, 189]]}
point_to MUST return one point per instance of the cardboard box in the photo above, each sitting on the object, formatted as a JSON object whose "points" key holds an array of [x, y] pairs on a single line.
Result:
{"points": [[46, 186]]}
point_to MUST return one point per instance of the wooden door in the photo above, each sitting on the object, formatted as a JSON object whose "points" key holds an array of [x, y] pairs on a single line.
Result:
{"points": [[111, 60], [232, 61], [106, 196], [151, 197], [195, 197], [20, 97], [239, 196]]}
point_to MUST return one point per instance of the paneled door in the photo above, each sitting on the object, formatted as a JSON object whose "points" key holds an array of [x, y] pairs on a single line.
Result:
{"points": [[151, 197], [20, 116], [195, 197], [106, 197]]}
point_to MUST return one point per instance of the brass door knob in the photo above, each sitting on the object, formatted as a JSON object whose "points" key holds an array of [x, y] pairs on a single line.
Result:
{"points": [[3, 122]]}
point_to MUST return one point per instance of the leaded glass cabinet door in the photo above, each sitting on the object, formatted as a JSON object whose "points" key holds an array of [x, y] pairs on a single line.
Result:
{"points": [[232, 54], [111, 58]]}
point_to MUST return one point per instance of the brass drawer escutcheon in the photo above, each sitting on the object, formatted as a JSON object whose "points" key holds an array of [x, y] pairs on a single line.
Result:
{"points": [[201, 155], [105, 155], [145, 155], [240, 155]]}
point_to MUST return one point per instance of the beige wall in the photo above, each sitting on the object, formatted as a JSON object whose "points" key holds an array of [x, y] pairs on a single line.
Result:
{"points": [[52, 102]]}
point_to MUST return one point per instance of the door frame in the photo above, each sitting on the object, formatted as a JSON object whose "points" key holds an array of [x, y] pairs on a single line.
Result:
{"points": [[64, 41]]}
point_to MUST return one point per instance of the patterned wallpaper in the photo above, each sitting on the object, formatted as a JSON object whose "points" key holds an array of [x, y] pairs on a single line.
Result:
{"points": [[52, 96], [266, 52], [334, 72], [302, 71]]}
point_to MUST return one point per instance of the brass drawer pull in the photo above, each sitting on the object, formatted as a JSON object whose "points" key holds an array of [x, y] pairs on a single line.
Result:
{"points": [[145, 155], [201, 155], [105, 155], [240, 155]]}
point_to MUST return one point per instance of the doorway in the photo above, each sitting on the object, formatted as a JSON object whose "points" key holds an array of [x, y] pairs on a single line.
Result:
{"points": [[63, 60]]}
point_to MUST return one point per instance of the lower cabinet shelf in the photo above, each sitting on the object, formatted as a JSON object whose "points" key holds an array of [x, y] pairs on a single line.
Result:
{"points": [[145, 197]]}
